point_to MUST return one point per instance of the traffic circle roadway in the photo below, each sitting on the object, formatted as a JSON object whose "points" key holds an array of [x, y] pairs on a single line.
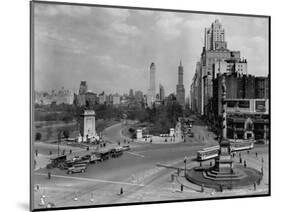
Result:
{"points": [[135, 173]]}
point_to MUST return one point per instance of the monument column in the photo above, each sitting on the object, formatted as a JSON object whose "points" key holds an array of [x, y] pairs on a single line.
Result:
{"points": [[87, 125]]}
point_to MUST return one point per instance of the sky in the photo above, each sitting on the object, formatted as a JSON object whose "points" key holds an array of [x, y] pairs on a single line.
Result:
{"points": [[112, 48]]}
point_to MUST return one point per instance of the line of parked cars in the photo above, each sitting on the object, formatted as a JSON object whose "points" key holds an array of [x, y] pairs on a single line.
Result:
{"points": [[79, 164]]}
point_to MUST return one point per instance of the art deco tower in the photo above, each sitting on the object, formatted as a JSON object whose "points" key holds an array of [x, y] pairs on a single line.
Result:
{"points": [[180, 86], [151, 94]]}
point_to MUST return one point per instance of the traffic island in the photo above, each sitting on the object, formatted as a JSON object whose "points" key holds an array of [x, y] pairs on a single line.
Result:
{"points": [[208, 177]]}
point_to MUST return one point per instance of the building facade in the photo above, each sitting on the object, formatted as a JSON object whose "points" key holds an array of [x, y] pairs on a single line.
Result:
{"points": [[180, 91], [151, 94], [58, 97]]}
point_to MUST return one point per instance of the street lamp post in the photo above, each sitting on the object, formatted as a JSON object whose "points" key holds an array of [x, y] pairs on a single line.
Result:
{"points": [[59, 138], [185, 161]]}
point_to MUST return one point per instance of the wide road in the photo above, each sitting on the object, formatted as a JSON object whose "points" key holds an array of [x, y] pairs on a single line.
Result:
{"points": [[134, 171]]}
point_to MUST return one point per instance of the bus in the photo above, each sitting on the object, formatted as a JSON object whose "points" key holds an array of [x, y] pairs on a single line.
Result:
{"points": [[212, 152], [241, 145], [208, 153]]}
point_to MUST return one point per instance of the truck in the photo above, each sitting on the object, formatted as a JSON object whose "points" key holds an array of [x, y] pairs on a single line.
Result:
{"points": [[56, 161]]}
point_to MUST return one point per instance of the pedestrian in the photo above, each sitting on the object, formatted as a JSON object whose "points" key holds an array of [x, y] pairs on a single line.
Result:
{"points": [[118, 143], [121, 191], [202, 188], [240, 160], [70, 151], [256, 154], [245, 164], [36, 152], [200, 164], [88, 148], [92, 197], [255, 186], [49, 175], [181, 187]]}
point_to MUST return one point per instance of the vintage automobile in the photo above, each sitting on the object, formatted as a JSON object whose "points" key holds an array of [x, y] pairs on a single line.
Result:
{"points": [[77, 168], [126, 148], [116, 152]]}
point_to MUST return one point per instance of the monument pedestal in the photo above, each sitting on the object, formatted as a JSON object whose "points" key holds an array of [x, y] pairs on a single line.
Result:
{"points": [[224, 169]]}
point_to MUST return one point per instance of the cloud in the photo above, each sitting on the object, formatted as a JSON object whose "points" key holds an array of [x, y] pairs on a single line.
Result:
{"points": [[113, 48], [61, 10], [169, 25], [124, 29]]}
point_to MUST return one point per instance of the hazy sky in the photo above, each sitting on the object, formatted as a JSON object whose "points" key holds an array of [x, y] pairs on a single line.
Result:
{"points": [[112, 49]]}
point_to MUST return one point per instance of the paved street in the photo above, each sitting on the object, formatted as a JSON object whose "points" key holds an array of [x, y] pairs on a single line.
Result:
{"points": [[135, 171]]}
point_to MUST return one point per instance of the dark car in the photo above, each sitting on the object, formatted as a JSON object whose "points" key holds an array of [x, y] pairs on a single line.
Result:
{"points": [[116, 152]]}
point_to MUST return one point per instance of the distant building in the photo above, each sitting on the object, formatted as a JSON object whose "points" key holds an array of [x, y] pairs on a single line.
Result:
{"points": [[102, 98], [131, 93], [61, 96], [139, 96], [161, 92], [180, 87], [151, 94], [261, 87], [215, 36], [83, 88], [116, 99], [91, 98]]}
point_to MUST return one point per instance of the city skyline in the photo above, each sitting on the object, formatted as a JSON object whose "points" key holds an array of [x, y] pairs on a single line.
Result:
{"points": [[82, 46]]}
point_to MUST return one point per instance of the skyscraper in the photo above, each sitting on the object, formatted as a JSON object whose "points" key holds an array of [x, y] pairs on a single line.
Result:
{"points": [[161, 92], [180, 86], [151, 94], [83, 87], [215, 36]]}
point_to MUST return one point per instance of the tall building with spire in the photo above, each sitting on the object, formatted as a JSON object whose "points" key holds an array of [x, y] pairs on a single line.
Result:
{"points": [[161, 92], [151, 94], [180, 86]]}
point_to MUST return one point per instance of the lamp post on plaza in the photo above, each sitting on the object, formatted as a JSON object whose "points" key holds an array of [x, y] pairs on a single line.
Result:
{"points": [[59, 139], [185, 161]]}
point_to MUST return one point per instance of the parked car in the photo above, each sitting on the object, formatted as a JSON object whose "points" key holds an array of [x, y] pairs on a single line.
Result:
{"points": [[116, 152], [76, 158], [77, 168], [126, 148], [103, 155]]}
